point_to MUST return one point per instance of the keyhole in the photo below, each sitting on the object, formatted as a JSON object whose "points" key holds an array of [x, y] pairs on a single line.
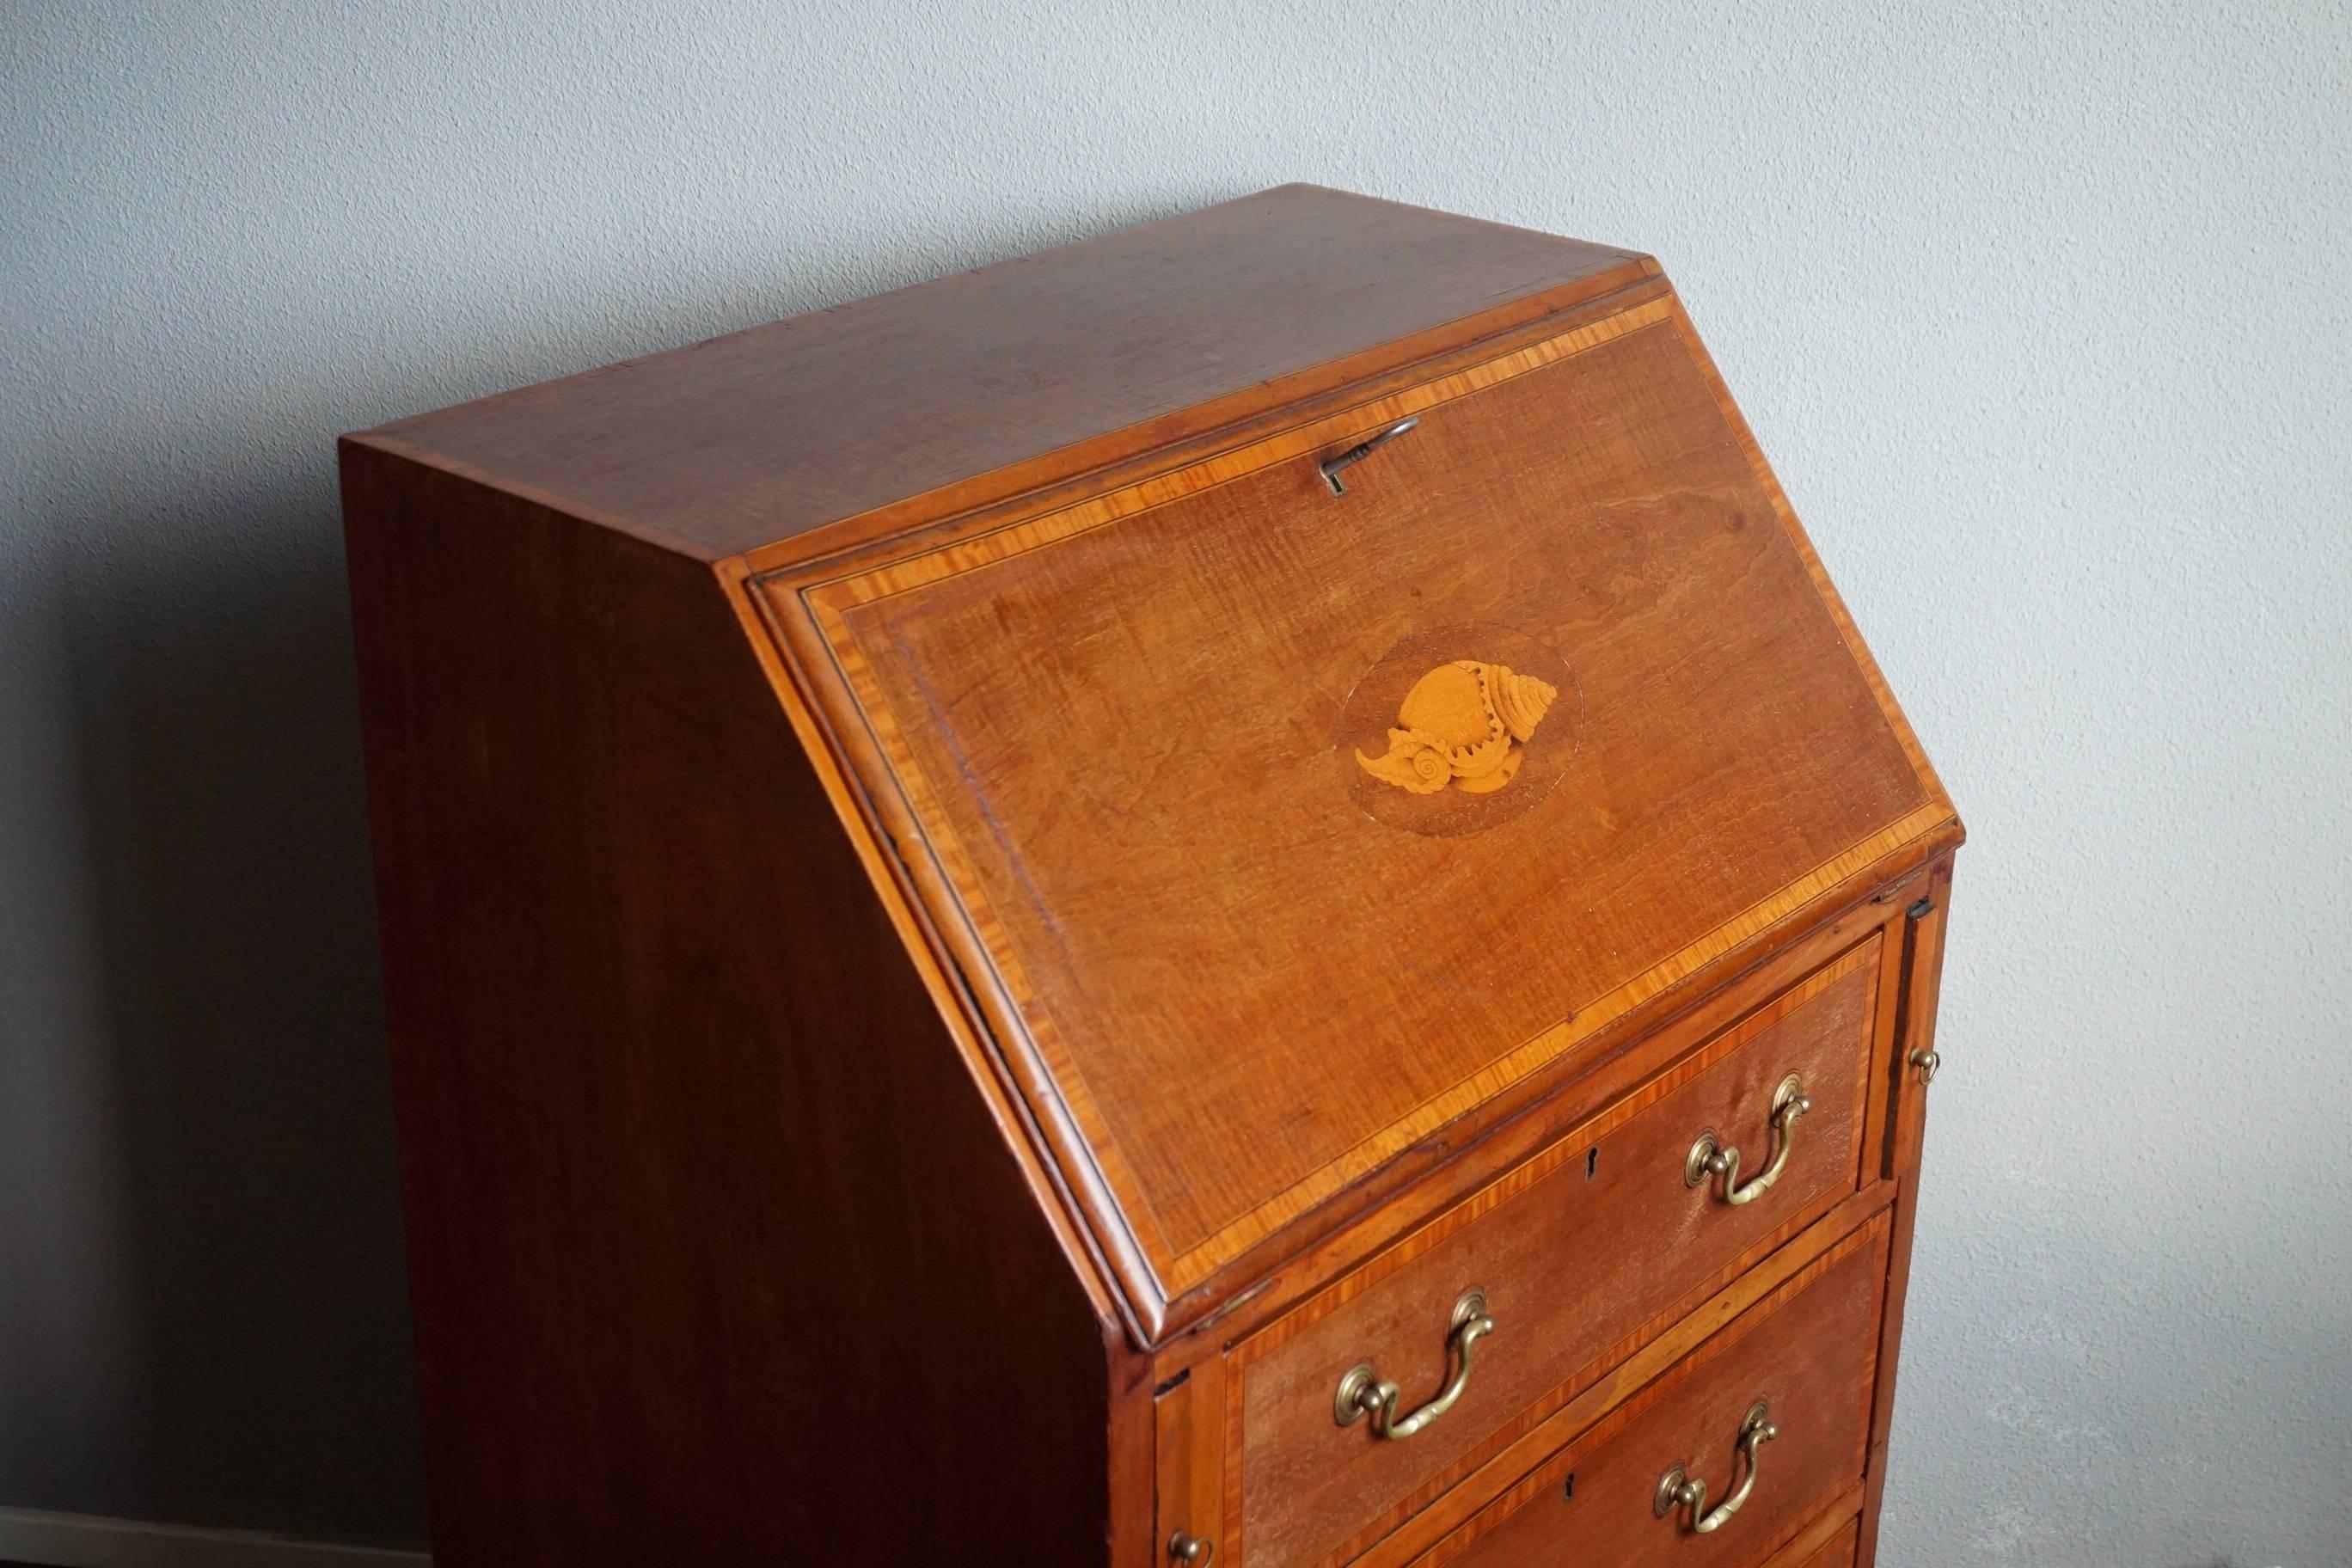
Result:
{"points": [[1591, 1161], [1568, 1490]]}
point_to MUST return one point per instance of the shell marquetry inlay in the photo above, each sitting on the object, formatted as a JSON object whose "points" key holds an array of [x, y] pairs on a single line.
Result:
{"points": [[1463, 724]]}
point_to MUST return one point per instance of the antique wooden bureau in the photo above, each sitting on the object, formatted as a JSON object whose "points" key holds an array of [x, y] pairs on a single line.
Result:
{"points": [[1234, 894]]}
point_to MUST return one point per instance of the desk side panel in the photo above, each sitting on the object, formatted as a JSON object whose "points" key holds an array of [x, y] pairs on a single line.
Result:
{"points": [[717, 1251]]}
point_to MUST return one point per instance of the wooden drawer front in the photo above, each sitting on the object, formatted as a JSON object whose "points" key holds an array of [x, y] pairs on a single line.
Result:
{"points": [[1810, 1351], [1841, 1552], [1576, 1251]]}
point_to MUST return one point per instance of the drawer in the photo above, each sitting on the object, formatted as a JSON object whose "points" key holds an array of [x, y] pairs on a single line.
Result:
{"points": [[1575, 1255], [1839, 1552], [1807, 1356]]}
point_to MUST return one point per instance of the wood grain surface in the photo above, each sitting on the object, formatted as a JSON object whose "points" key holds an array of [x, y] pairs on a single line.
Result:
{"points": [[1924, 921], [1115, 729], [1127, 341], [1572, 1108], [1838, 1551], [717, 1250], [1574, 1251], [1809, 1351]]}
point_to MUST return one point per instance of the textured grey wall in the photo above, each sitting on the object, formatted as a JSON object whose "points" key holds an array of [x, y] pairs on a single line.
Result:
{"points": [[2042, 316]]}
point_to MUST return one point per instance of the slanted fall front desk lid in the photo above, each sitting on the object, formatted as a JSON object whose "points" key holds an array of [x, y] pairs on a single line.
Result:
{"points": [[1284, 821]]}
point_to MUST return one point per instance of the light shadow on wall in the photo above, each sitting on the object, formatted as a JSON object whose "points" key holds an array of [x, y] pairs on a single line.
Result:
{"points": [[215, 763], [226, 823]]}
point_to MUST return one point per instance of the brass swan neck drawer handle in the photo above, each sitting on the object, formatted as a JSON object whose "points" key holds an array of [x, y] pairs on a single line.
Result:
{"points": [[1359, 452], [1679, 1488], [1363, 1393], [1707, 1158]]}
